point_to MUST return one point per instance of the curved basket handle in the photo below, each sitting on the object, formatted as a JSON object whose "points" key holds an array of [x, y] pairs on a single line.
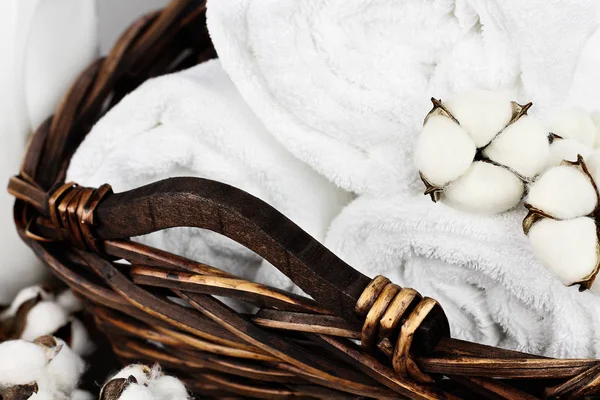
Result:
{"points": [[224, 209]]}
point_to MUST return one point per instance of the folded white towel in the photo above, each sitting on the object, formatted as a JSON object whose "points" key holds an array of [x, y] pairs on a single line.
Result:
{"points": [[345, 84], [481, 269], [194, 123]]}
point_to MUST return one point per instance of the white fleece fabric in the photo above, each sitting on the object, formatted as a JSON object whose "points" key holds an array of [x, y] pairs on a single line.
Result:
{"points": [[345, 84], [195, 123]]}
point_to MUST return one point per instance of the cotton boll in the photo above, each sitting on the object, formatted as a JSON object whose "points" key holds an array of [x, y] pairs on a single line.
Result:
{"points": [[483, 114], [577, 124], [66, 368], [81, 395], [444, 151], [81, 343], [592, 163], [569, 249], [23, 296], [21, 362], [566, 149], [47, 387], [71, 303], [44, 318], [563, 192], [140, 372], [137, 392], [485, 189], [46, 395], [522, 146], [168, 388]]}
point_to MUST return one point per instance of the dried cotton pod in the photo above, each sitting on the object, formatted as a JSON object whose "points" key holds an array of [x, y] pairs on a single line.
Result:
{"points": [[562, 221], [477, 150]]}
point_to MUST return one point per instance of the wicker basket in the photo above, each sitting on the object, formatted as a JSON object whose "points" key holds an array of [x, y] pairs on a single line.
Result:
{"points": [[358, 338]]}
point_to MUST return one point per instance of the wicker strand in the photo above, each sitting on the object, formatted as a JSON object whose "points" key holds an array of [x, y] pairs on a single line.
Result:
{"points": [[385, 307], [72, 213]]}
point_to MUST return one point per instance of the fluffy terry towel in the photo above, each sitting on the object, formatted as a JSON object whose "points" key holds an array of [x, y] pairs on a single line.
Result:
{"points": [[194, 123], [344, 84]]}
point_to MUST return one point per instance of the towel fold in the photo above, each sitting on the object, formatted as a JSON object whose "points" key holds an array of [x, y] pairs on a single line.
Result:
{"points": [[345, 84], [481, 269], [194, 123]]}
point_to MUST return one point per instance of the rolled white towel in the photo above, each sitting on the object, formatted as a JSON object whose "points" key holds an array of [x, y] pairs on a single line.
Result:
{"points": [[195, 123], [482, 269], [345, 84]]}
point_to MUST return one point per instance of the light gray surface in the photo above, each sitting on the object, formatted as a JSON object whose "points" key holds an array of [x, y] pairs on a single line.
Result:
{"points": [[114, 16]]}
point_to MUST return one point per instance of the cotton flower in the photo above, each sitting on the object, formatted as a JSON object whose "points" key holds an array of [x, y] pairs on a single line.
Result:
{"points": [[574, 133], [21, 362], [81, 395], [169, 388], [80, 340], [23, 296], [66, 367], [142, 373], [137, 392], [562, 221], [36, 312], [44, 318], [477, 150], [43, 369], [69, 302], [137, 381]]}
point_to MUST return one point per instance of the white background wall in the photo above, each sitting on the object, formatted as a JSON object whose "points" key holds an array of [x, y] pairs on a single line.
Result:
{"points": [[116, 15]]}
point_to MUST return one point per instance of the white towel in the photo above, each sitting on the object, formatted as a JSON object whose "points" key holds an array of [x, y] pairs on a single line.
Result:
{"points": [[481, 269], [345, 84], [194, 123]]}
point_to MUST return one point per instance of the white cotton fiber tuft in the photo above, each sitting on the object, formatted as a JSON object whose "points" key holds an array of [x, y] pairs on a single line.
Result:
{"points": [[444, 150], [23, 296], [168, 388], [65, 368], [567, 248], [592, 162], [483, 114], [81, 395], [140, 372], [484, 189], [577, 124], [47, 395], [523, 146], [566, 149], [69, 301], [81, 343], [21, 362], [44, 318], [137, 392], [563, 192]]}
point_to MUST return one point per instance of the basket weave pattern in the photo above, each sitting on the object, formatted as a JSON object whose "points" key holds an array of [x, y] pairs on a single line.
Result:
{"points": [[355, 338]]}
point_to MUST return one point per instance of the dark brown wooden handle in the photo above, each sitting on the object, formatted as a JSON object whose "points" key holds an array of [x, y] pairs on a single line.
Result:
{"points": [[242, 217], [253, 223]]}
